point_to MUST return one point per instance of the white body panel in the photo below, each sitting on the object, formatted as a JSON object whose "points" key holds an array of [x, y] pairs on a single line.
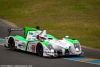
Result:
{"points": [[60, 44]]}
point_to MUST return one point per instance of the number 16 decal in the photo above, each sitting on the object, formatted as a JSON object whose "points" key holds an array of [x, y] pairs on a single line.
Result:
{"points": [[32, 47]]}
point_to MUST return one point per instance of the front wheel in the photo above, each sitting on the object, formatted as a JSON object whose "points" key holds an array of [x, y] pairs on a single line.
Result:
{"points": [[81, 54], [39, 50]]}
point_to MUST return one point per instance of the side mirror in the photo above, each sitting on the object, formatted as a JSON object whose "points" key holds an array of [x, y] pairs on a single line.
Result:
{"points": [[37, 27]]}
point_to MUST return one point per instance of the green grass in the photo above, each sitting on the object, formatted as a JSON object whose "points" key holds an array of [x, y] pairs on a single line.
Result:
{"points": [[80, 19]]}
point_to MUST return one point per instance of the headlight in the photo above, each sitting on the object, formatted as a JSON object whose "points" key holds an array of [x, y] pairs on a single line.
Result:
{"points": [[50, 47], [77, 46], [52, 50], [77, 49]]}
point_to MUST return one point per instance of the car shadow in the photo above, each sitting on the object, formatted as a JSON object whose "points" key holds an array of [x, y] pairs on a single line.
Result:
{"points": [[35, 54]]}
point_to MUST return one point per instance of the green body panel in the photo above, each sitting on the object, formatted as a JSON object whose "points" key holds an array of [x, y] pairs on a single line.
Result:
{"points": [[26, 29], [20, 38], [45, 43], [73, 41], [26, 47], [50, 36]]}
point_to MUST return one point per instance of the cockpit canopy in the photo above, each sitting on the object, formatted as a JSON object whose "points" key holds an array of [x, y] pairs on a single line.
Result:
{"points": [[35, 34]]}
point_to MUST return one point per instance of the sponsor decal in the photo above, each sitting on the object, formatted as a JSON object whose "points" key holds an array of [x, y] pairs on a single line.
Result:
{"points": [[32, 47], [30, 33]]}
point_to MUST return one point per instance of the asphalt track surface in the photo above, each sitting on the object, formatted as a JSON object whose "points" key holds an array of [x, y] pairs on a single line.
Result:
{"points": [[8, 57]]}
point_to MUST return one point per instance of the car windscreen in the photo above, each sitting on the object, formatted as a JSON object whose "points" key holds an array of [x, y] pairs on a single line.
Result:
{"points": [[31, 35]]}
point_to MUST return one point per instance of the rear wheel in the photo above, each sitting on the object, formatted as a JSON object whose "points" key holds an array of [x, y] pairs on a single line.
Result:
{"points": [[11, 44], [39, 50]]}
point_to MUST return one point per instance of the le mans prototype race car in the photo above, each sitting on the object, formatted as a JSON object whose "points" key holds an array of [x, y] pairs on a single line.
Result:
{"points": [[46, 45]]}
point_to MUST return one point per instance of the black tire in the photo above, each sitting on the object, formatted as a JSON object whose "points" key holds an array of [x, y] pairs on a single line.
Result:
{"points": [[39, 50], [11, 44], [79, 55]]}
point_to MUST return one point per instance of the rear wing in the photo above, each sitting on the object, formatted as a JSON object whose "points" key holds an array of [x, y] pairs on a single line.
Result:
{"points": [[14, 29], [21, 29]]}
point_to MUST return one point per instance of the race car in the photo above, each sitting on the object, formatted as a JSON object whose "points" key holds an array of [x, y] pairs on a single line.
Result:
{"points": [[46, 45]]}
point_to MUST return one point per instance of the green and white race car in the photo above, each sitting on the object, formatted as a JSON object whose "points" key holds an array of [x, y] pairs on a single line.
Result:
{"points": [[37, 41]]}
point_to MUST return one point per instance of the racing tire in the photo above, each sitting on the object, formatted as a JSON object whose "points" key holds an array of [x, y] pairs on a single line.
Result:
{"points": [[11, 44], [39, 50], [79, 55]]}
